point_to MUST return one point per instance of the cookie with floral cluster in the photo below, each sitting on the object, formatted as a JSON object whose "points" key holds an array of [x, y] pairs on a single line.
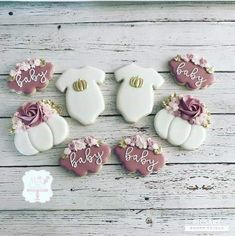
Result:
{"points": [[85, 155], [140, 153], [38, 126], [30, 75], [192, 71], [183, 121]]}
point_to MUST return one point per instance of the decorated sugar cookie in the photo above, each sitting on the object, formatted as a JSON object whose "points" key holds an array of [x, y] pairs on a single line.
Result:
{"points": [[135, 97], [182, 121], [85, 155], [30, 75], [138, 153], [84, 100], [192, 71], [38, 126]]}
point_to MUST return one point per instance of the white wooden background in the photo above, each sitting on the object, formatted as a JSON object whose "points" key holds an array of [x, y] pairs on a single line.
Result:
{"points": [[107, 36]]}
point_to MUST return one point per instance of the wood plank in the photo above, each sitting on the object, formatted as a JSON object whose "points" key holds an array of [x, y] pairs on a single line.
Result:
{"points": [[176, 186], [40, 13], [113, 222], [223, 94], [109, 46], [218, 147]]}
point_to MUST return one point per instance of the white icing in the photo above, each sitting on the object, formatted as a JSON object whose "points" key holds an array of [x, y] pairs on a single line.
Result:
{"points": [[142, 159], [59, 128], [41, 137], [192, 75], [196, 138], [162, 122], [75, 161], [84, 106], [32, 77], [178, 131], [23, 143], [135, 103]]}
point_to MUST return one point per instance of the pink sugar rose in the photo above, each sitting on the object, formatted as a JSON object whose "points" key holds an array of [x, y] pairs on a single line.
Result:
{"points": [[31, 114], [190, 108]]}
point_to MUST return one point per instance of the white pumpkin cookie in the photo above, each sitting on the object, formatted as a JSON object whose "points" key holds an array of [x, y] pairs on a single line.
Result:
{"points": [[84, 100], [135, 97], [182, 121], [37, 127]]}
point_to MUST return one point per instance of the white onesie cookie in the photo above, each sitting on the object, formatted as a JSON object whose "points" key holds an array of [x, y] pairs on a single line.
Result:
{"points": [[84, 100], [135, 97]]}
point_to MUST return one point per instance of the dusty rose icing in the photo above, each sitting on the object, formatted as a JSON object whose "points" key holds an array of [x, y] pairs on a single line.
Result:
{"points": [[192, 71], [188, 108], [32, 114], [30, 75], [141, 158], [85, 155]]}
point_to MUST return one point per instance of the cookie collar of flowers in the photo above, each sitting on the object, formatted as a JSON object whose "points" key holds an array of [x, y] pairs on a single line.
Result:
{"points": [[141, 142], [25, 66], [196, 60], [198, 117], [81, 144], [44, 110]]}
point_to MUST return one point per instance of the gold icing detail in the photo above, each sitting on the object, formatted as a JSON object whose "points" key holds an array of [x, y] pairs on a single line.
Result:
{"points": [[42, 62], [79, 85], [177, 58], [210, 70], [136, 82], [53, 105], [10, 78], [122, 144], [158, 151]]}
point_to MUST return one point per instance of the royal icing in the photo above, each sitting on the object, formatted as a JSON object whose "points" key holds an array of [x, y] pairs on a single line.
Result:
{"points": [[30, 75], [192, 71], [85, 155], [37, 127], [135, 98], [84, 100], [138, 153], [182, 121]]}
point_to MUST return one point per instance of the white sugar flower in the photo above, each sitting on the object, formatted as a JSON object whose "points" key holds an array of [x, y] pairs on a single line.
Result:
{"points": [[67, 151], [79, 144], [37, 62], [141, 142], [13, 73], [24, 66], [127, 141]]}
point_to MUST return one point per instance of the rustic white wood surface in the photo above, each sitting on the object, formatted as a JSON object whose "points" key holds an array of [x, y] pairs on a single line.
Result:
{"points": [[197, 185]]}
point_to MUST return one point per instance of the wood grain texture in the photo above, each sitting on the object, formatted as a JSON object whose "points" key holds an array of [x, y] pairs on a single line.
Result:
{"points": [[103, 46], [112, 223], [176, 186], [218, 147], [37, 13]]}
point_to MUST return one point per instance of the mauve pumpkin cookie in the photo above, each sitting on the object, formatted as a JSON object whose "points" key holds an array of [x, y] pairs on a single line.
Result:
{"points": [[139, 153], [30, 75], [85, 155], [192, 71]]}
